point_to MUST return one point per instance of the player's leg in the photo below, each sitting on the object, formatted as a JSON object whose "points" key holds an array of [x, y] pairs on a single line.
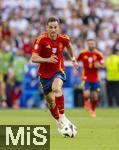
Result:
{"points": [[59, 97], [95, 88], [54, 96], [46, 85], [95, 101], [50, 97], [86, 95]]}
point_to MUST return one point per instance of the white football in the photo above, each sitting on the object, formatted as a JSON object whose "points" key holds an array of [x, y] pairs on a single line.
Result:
{"points": [[69, 130]]}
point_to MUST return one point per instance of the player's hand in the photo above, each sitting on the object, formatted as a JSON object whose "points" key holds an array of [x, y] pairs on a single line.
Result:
{"points": [[96, 64], [75, 63], [52, 59]]}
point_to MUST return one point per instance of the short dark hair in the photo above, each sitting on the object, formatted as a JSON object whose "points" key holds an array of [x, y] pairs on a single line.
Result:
{"points": [[52, 19]]}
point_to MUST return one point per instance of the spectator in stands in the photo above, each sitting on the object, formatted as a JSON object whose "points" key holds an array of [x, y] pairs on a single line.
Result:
{"points": [[5, 31], [10, 83], [18, 65], [27, 45]]}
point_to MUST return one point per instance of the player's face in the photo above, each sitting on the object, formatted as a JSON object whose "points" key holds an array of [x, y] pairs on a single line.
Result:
{"points": [[91, 45], [53, 29]]}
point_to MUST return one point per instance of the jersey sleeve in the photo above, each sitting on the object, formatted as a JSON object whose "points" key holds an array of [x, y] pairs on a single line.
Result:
{"points": [[79, 58], [37, 46], [66, 40], [101, 58]]}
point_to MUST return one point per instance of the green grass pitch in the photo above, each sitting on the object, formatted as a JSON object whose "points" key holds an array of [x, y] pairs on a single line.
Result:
{"points": [[100, 133]]}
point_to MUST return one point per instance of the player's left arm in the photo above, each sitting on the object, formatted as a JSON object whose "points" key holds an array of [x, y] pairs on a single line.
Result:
{"points": [[70, 52], [100, 63]]}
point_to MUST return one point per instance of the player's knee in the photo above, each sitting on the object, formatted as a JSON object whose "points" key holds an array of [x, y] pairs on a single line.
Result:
{"points": [[95, 95], [86, 95], [57, 91]]}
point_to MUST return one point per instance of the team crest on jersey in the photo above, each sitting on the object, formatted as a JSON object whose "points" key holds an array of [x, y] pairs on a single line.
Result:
{"points": [[48, 46], [85, 57], [54, 50], [36, 46]]}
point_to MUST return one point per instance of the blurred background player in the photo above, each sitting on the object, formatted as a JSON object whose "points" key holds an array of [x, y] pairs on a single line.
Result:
{"points": [[92, 59], [48, 53]]}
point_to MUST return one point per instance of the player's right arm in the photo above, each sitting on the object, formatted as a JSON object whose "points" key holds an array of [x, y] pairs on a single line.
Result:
{"points": [[37, 48], [38, 59], [100, 62]]}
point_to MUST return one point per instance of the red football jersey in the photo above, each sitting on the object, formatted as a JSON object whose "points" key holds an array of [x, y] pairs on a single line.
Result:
{"points": [[45, 47], [88, 58]]}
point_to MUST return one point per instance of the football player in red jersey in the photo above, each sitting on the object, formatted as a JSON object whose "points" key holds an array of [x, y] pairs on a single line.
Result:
{"points": [[48, 53], [91, 59]]}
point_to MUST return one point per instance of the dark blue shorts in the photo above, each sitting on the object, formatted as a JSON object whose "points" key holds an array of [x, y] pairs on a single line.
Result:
{"points": [[47, 83], [93, 86]]}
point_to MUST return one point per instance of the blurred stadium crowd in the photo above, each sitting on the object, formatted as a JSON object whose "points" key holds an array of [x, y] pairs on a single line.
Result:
{"points": [[23, 20]]}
